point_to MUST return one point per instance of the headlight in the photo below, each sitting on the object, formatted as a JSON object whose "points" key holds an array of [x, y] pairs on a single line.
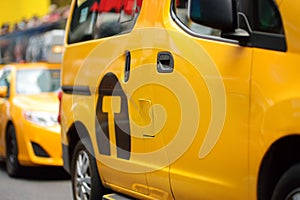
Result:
{"points": [[41, 118]]}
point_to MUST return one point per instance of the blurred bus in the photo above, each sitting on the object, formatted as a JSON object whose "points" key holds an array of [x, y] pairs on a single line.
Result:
{"points": [[39, 44], [30, 74]]}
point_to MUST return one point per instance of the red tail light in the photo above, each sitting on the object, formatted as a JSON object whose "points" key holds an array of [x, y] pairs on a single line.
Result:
{"points": [[59, 95]]}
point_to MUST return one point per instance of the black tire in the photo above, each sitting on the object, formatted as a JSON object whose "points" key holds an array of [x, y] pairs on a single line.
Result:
{"points": [[84, 174], [13, 167], [288, 186]]}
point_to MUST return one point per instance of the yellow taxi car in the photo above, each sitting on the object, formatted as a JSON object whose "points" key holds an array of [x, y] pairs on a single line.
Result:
{"points": [[182, 99], [29, 131]]}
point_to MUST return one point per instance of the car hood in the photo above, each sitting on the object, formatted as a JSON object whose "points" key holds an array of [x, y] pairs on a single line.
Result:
{"points": [[47, 102]]}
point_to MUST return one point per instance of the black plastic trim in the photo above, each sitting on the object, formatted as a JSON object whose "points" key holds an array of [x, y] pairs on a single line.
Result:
{"points": [[39, 151], [268, 41], [66, 159], [78, 90]]}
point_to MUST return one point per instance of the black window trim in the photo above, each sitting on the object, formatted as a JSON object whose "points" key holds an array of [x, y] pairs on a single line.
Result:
{"points": [[263, 40], [192, 33], [77, 90], [270, 41]]}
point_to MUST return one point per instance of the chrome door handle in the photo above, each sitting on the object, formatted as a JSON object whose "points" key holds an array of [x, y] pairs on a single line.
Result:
{"points": [[165, 62]]}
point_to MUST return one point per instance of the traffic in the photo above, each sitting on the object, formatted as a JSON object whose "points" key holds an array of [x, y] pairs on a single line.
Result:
{"points": [[29, 83]]}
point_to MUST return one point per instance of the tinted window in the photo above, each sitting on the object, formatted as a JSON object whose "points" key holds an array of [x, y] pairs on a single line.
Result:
{"points": [[181, 11], [267, 17], [94, 19]]}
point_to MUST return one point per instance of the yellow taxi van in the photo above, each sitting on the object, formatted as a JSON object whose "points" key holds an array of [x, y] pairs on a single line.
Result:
{"points": [[182, 99]]}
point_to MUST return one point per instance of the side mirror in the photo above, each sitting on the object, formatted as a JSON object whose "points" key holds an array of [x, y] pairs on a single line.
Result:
{"points": [[218, 14], [3, 91]]}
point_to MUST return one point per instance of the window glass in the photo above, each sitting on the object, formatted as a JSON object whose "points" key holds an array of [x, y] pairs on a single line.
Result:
{"points": [[2, 82], [93, 19], [35, 81], [181, 11], [268, 17], [5, 80]]}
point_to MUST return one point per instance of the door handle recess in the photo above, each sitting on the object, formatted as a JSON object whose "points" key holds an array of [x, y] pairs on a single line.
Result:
{"points": [[165, 62], [127, 65]]}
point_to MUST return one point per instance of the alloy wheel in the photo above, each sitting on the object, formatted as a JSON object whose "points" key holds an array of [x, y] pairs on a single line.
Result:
{"points": [[82, 180]]}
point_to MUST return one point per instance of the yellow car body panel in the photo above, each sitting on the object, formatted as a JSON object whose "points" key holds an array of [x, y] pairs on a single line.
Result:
{"points": [[202, 131], [12, 111]]}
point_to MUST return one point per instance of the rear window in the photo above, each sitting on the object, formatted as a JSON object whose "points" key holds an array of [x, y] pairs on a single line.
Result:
{"points": [[93, 19]]}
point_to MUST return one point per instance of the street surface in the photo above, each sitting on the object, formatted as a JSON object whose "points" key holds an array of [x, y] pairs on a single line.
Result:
{"points": [[37, 184]]}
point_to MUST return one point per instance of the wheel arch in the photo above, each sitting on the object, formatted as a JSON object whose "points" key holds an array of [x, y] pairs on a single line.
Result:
{"points": [[77, 132], [9, 123], [281, 155]]}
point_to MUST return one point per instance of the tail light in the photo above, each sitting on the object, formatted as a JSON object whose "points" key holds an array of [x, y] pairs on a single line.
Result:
{"points": [[59, 98]]}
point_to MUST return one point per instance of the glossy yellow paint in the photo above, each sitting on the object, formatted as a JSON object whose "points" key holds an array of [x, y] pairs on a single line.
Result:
{"points": [[200, 132], [12, 112]]}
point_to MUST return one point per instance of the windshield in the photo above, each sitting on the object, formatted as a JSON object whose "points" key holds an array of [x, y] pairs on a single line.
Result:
{"points": [[37, 81]]}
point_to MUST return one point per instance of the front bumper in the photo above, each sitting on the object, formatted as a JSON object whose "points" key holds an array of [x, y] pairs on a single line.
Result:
{"points": [[38, 145]]}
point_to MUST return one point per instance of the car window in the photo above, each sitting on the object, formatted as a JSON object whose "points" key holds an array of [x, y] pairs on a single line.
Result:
{"points": [[181, 11], [5, 80], [2, 82], [93, 19], [267, 16], [35, 81]]}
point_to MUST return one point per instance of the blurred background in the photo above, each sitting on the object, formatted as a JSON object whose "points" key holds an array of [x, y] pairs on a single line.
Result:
{"points": [[30, 29], [13, 13]]}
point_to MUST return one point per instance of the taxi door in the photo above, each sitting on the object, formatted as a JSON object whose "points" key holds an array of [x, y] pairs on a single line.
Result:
{"points": [[202, 111], [102, 31], [121, 98]]}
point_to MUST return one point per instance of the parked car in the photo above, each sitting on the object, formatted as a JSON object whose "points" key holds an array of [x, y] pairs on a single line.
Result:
{"points": [[29, 131]]}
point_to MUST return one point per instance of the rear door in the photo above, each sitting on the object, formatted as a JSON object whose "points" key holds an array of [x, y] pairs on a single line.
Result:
{"points": [[103, 48]]}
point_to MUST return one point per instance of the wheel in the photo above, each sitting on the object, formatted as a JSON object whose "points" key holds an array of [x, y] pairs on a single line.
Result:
{"points": [[86, 183], [13, 167], [288, 186]]}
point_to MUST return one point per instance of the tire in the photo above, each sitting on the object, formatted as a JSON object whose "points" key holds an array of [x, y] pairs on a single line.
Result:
{"points": [[13, 167], [288, 186], [84, 175]]}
